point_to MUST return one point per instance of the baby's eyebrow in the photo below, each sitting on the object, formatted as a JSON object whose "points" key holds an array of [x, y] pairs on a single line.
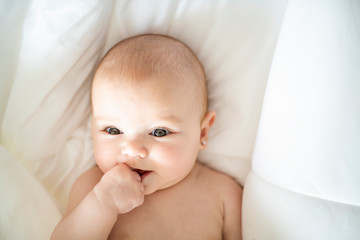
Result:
{"points": [[104, 118], [165, 118], [171, 118], [99, 118]]}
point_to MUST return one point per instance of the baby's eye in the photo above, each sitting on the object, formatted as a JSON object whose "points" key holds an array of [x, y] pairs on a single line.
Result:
{"points": [[160, 132], [113, 130]]}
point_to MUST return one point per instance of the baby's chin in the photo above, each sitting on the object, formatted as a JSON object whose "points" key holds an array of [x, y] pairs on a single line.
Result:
{"points": [[153, 189], [149, 190]]}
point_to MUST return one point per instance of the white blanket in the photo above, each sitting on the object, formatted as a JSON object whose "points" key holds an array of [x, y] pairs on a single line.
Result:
{"points": [[49, 50], [49, 53]]}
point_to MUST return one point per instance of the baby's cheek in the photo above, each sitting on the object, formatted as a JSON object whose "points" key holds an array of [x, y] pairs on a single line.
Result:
{"points": [[105, 154], [162, 154], [178, 157]]}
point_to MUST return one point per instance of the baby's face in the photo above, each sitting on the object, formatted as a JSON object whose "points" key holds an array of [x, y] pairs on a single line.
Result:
{"points": [[153, 126]]}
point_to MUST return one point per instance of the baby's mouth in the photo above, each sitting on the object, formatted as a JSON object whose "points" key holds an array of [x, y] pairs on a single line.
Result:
{"points": [[140, 171]]}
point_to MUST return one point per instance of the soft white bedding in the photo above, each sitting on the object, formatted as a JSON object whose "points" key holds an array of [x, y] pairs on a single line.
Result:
{"points": [[305, 181], [27, 210], [51, 50], [48, 53]]}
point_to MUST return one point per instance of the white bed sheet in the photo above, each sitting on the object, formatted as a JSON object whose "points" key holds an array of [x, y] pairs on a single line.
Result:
{"points": [[27, 209], [44, 122], [303, 170], [49, 53]]}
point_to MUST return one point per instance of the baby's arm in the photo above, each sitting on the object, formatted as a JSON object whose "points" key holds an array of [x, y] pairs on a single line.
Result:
{"points": [[96, 200], [232, 212]]}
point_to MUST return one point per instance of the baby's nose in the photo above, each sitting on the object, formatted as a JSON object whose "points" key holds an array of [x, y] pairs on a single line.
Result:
{"points": [[134, 148]]}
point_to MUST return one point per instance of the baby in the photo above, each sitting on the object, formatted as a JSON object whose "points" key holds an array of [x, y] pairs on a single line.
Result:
{"points": [[150, 120]]}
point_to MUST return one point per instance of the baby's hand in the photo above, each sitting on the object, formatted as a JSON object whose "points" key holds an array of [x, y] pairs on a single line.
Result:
{"points": [[120, 189]]}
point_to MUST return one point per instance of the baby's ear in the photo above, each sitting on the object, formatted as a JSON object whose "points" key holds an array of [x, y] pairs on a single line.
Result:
{"points": [[207, 122]]}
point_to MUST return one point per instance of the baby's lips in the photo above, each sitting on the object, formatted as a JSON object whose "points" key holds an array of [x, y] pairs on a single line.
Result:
{"points": [[138, 171]]}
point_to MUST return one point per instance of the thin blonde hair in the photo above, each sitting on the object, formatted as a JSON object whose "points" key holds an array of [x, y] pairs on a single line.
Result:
{"points": [[154, 56]]}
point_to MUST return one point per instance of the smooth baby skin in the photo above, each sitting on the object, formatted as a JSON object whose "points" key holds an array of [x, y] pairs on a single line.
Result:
{"points": [[149, 123], [192, 209]]}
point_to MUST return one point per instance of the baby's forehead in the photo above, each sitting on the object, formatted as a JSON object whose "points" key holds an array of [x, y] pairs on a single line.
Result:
{"points": [[166, 82], [169, 89], [156, 58]]}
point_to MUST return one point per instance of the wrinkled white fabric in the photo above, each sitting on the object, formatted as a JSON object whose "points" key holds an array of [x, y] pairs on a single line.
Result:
{"points": [[51, 48], [27, 210], [45, 120], [305, 165]]}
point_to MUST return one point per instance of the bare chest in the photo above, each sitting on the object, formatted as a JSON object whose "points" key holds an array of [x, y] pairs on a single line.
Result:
{"points": [[188, 215]]}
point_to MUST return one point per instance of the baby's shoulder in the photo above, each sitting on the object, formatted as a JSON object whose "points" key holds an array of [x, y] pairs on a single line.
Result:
{"points": [[230, 194], [219, 182]]}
